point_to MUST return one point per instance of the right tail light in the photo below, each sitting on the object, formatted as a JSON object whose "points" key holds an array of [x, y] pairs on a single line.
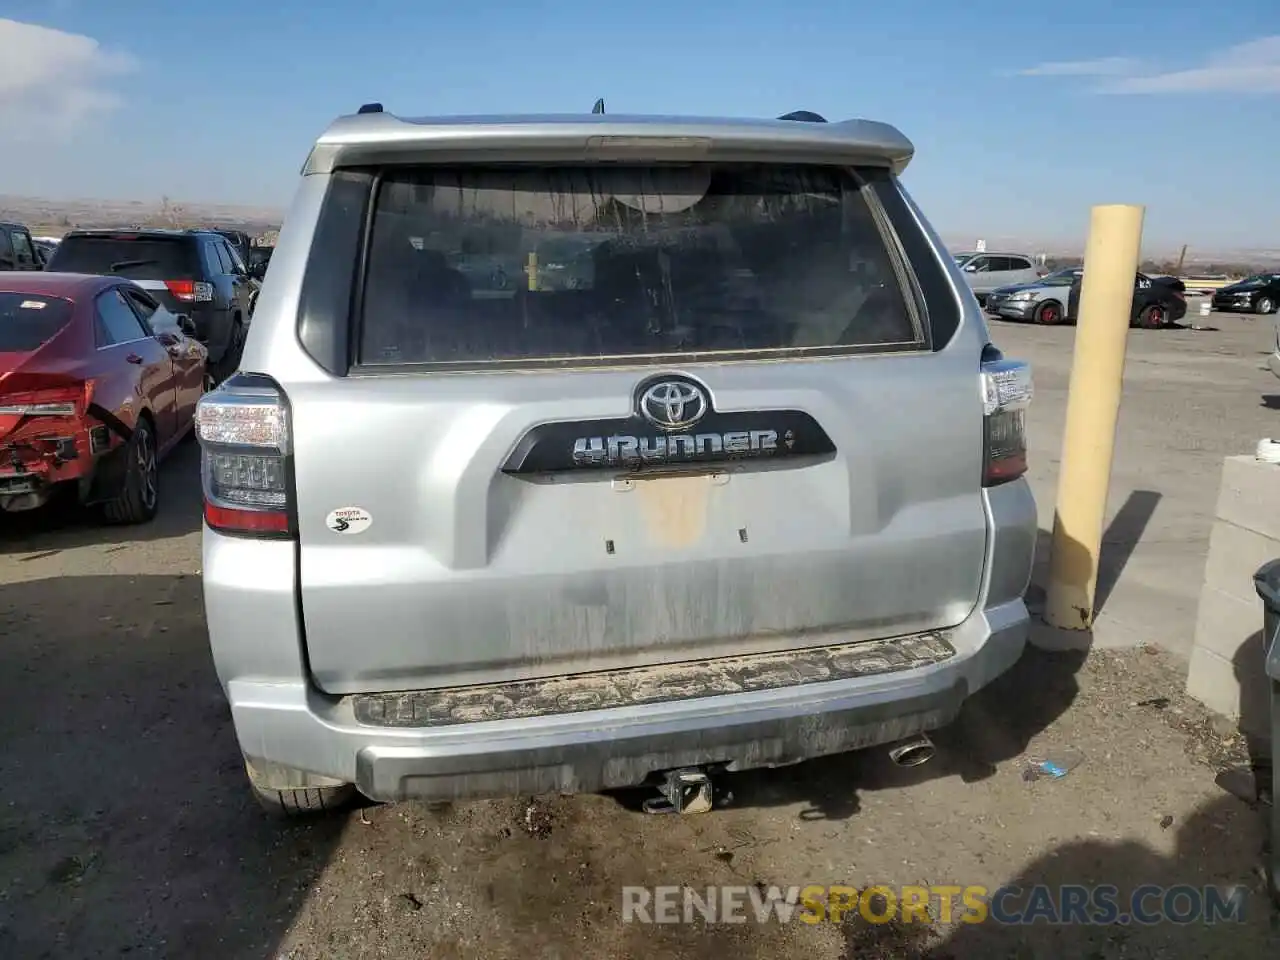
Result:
{"points": [[29, 394], [1006, 393], [245, 459]]}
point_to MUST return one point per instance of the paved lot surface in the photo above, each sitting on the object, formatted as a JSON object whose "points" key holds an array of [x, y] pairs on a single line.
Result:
{"points": [[126, 828]]}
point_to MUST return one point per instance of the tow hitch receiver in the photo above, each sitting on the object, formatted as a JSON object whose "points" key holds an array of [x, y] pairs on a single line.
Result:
{"points": [[682, 791]]}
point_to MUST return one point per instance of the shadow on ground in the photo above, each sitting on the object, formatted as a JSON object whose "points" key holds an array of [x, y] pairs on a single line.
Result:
{"points": [[1119, 541], [1217, 847], [994, 726], [62, 524], [125, 821], [1259, 783]]}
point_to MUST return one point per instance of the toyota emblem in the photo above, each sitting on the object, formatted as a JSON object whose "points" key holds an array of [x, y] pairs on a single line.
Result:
{"points": [[673, 404]]}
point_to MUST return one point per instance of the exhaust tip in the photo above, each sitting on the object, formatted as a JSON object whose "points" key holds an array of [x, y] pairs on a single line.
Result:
{"points": [[913, 752]]}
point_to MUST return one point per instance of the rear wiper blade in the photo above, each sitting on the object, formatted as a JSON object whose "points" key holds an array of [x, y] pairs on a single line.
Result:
{"points": [[123, 264]]}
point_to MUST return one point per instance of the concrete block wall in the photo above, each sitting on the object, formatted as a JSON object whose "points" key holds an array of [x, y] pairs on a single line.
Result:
{"points": [[1226, 671]]}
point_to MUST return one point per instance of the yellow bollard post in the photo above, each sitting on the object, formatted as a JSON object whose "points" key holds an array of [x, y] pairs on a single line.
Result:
{"points": [[1093, 406], [531, 269]]}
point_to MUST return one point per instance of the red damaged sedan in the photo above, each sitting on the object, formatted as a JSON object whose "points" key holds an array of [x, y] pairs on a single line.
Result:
{"points": [[98, 382]]}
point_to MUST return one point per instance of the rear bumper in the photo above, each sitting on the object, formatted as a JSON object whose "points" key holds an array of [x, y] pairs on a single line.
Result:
{"points": [[281, 719], [40, 457], [594, 750]]}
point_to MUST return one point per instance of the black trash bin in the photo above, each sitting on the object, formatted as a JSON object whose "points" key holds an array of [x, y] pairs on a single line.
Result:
{"points": [[1267, 582]]}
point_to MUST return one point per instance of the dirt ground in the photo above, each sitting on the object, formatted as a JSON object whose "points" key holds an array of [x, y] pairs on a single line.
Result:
{"points": [[126, 828]]}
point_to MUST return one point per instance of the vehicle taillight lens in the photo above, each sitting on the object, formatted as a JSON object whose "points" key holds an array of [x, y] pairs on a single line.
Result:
{"points": [[1006, 393], [69, 401], [190, 291], [243, 427]]}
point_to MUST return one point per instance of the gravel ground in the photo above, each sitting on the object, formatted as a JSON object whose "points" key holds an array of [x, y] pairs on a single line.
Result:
{"points": [[126, 827]]}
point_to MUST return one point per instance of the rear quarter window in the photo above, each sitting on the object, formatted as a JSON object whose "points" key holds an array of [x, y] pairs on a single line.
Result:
{"points": [[28, 321], [138, 258], [477, 266]]}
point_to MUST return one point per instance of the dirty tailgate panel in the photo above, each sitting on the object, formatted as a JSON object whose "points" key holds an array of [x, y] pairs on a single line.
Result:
{"points": [[467, 574]]}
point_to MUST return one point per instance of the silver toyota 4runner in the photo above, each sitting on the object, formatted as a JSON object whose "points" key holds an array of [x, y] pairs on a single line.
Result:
{"points": [[578, 452]]}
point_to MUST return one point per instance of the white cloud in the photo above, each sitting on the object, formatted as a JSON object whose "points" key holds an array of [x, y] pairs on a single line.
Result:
{"points": [[1252, 67], [1102, 67], [51, 81]]}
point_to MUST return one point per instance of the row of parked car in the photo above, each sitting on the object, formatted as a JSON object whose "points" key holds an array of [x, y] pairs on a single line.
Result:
{"points": [[1011, 287], [108, 338], [1259, 293]]}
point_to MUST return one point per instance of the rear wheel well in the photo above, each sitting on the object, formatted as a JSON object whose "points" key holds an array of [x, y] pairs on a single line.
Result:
{"points": [[146, 414], [226, 363], [133, 490]]}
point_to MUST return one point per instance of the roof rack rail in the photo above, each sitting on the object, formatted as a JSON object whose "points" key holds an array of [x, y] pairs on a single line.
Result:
{"points": [[806, 116], [370, 108], [599, 107]]}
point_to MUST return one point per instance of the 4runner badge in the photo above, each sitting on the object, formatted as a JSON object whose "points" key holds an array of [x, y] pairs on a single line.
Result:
{"points": [[673, 423]]}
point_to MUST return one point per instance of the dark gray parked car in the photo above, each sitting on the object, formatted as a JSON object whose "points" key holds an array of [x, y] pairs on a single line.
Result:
{"points": [[195, 272]]}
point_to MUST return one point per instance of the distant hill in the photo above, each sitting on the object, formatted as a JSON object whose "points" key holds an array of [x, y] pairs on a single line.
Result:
{"points": [[1198, 259], [54, 217]]}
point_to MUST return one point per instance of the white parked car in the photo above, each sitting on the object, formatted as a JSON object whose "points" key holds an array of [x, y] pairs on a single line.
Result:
{"points": [[987, 271]]}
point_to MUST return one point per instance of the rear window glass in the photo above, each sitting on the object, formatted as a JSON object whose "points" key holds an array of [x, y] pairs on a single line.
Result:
{"points": [[475, 265], [138, 258], [29, 320]]}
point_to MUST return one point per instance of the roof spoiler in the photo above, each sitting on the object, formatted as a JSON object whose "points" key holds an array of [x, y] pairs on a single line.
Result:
{"points": [[384, 137]]}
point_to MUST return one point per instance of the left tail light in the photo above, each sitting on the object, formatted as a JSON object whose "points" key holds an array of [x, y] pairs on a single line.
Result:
{"points": [[1006, 394], [190, 291], [246, 463], [67, 401]]}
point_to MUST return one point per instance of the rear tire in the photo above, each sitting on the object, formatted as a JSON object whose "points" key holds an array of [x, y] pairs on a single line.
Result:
{"points": [[1049, 313], [1266, 305], [230, 359], [1152, 317], [305, 802], [139, 499]]}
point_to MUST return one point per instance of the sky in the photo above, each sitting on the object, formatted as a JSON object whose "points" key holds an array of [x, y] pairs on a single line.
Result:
{"points": [[1023, 114]]}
